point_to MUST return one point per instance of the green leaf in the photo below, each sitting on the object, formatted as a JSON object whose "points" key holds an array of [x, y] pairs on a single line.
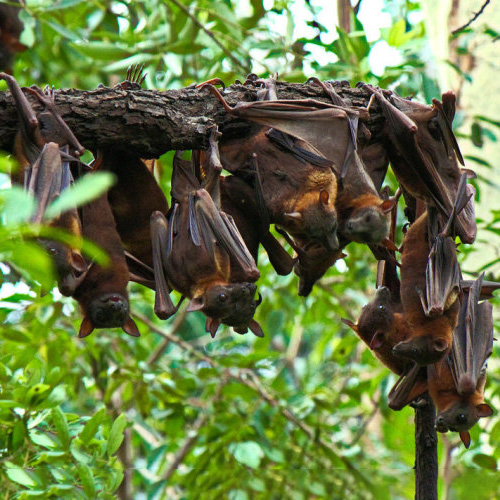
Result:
{"points": [[92, 425], [247, 453], [61, 425], [18, 475], [87, 479], [17, 205], [104, 51], [86, 189], [116, 434]]}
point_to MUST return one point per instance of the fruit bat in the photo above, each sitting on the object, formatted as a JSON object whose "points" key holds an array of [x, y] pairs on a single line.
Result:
{"points": [[193, 250], [102, 294], [43, 147], [363, 215], [425, 156], [458, 389]]}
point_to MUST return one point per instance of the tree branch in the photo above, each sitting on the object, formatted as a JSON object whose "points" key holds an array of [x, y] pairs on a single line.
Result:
{"points": [[150, 122], [472, 19]]}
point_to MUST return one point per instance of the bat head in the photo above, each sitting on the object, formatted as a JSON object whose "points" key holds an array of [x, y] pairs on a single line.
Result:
{"points": [[233, 304], [368, 225], [424, 349], [316, 218], [461, 416], [70, 266], [108, 310]]}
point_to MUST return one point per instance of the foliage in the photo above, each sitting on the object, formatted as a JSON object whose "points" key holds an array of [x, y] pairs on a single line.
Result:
{"points": [[300, 414]]}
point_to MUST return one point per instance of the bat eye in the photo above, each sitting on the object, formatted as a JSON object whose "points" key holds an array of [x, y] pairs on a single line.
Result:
{"points": [[414, 351], [52, 250], [461, 419], [222, 297], [381, 308], [368, 217]]}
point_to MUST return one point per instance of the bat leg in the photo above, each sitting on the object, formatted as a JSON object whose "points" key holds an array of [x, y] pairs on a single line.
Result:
{"points": [[164, 307], [213, 81]]}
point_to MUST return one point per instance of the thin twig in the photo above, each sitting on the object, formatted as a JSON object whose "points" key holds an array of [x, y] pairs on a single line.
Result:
{"points": [[249, 379], [160, 349], [474, 17], [210, 34]]}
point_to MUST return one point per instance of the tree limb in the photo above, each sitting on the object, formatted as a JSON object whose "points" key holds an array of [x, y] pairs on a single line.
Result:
{"points": [[151, 122]]}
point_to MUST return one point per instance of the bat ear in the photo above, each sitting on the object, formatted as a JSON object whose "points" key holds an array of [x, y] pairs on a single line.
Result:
{"points": [[465, 437], [130, 328], [350, 324], [440, 345], [484, 410], [86, 328], [324, 196], [78, 262], [195, 304], [255, 328], [387, 205], [377, 340], [211, 326]]}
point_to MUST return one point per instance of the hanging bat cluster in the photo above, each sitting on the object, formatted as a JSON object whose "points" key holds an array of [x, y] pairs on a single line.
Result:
{"points": [[311, 169]]}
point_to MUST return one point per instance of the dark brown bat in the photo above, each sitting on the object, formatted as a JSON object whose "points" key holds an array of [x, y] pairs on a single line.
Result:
{"points": [[193, 253], [424, 154], [458, 389], [10, 32], [41, 148], [102, 295]]}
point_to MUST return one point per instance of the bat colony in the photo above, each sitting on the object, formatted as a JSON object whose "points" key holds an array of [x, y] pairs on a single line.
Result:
{"points": [[311, 169]]}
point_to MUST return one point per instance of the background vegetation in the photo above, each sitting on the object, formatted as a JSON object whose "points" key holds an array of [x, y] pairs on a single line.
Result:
{"points": [[300, 414]]}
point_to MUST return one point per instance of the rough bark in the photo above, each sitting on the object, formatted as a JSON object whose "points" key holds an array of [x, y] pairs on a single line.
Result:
{"points": [[152, 122], [426, 460]]}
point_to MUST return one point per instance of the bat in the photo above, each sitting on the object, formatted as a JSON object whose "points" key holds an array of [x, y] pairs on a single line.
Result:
{"points": [[42, 147], [458, 389], [429, 263], [363, 215], [197, 228], [425, 156], [102, 295]]}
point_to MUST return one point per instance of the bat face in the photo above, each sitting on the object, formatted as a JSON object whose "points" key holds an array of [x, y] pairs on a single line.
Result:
{"points": [[232, 304], [367, 225], [461, 416], [377, 318], [109, 310], [424, 350]]}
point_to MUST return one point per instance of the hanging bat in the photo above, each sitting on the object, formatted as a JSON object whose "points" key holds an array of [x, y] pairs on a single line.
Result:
{"points": [[458, 389], [42, 147], [193, 252], [102, 295], [363, 214], [425, 155]]}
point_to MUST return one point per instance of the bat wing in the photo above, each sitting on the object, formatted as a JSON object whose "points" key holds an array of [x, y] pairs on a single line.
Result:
{"points": [[472, 340], [184, 181], [410, 385], [487, 288], [140, 272], [417, 175], [164, 307], [216, 227]]}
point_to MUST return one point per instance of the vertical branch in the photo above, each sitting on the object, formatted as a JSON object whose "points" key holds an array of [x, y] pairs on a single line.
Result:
{"points": [[426, 461]]}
